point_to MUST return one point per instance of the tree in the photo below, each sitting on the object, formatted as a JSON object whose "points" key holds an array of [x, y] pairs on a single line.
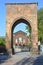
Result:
{"points": [[2, 41], [28, 29], [40, 24]]}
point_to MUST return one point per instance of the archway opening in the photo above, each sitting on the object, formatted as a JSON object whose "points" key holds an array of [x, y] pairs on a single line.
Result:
{"points": [[20, 38]]}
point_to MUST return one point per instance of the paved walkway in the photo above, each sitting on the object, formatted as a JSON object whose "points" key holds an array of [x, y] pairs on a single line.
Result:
{"points": [[23, 58]]}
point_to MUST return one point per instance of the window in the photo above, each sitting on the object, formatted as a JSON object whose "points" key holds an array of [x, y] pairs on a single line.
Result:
{"points": [[16, 40], [20, 39]]}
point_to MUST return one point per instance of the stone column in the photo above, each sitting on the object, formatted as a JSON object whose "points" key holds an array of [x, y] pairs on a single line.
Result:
{"points": [[34, 40], [8, 39]]}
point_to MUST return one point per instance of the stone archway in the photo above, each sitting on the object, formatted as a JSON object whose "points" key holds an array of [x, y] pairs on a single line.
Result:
{"points": [[21, 12]]}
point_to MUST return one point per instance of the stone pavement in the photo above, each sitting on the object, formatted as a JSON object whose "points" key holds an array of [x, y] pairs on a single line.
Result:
{"points": [[23, 58]]}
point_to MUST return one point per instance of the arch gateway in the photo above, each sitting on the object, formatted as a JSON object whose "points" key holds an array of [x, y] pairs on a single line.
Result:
{"points": [[17, 13]]}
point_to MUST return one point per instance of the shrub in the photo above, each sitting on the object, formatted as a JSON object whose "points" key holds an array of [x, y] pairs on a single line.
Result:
{"points": [[2, 41]]}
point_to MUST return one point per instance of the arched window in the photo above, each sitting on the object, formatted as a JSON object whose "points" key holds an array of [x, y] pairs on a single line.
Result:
{"points": [[16, 40], [20, 39]]}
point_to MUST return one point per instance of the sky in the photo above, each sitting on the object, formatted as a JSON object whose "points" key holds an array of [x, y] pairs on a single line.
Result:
{"points": [[3, 14]]}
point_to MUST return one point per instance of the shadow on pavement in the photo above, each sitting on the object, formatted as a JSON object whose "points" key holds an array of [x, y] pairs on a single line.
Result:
{"points": [[22, 62], [3, 58], [39, 60], [31, 61]]}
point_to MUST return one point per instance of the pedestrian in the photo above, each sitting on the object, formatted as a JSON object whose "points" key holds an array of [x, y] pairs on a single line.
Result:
{"points": [[38, 46]]}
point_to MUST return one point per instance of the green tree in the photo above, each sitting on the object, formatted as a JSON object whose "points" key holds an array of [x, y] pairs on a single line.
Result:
{"points": [[28, 28], [40, 24], [2, 41]]}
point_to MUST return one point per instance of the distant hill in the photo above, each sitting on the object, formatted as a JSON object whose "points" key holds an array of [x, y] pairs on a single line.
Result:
{"points": [[2, 37]]}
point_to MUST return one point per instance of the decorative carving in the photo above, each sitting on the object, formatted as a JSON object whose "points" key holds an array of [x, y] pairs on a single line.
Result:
{"points": [[21, 9]]}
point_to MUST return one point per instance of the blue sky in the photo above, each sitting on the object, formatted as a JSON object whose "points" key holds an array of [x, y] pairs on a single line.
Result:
{"points": [[3, 14]]}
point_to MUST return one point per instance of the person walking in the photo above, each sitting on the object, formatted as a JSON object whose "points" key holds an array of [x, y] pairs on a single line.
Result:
{"points": [[39, 47]]}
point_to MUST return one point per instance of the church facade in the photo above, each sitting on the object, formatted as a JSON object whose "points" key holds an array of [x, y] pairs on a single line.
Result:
{"points": [[20, 38]]}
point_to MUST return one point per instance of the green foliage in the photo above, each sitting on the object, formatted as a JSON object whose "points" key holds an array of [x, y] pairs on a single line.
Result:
{"points": [[40, 25], [2, 41], [28, 29]]}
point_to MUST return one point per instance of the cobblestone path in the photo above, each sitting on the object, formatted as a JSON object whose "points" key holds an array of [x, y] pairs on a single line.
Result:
{"points": [[23, 58]]}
